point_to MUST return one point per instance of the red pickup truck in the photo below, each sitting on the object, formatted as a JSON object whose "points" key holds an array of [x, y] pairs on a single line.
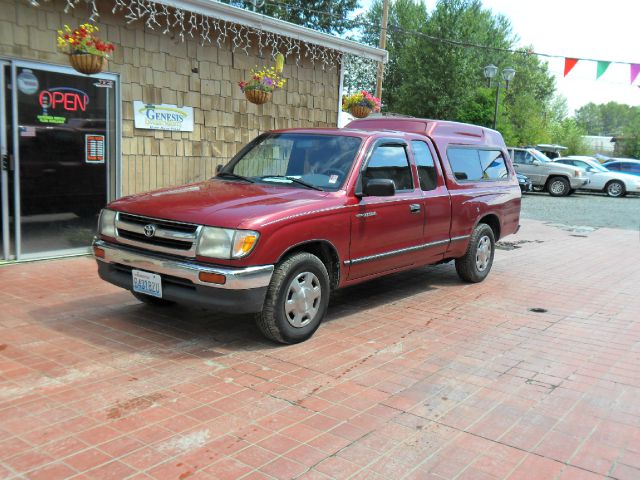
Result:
{"points": [[298, 213]]}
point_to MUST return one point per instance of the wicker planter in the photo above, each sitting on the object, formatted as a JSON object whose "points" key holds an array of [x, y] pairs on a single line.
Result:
{"points": [[87, 63], [257, 96], [359, 111]]}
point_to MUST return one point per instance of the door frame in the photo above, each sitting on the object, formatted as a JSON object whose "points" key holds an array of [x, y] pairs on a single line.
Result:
{"points": [[113, 166], [4, 170]]}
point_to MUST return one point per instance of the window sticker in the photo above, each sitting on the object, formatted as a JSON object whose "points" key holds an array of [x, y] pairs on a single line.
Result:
{"points": [[94, 148]]}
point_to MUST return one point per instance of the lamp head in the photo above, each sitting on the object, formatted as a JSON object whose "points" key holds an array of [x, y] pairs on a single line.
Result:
{"points": [[490, 71], [508, 74]]}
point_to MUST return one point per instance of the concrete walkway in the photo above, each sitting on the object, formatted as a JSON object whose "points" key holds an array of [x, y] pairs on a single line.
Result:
{"points": [[413, 376]]}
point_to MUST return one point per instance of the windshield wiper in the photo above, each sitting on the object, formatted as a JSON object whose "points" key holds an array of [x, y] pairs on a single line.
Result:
{"points": [[294, 180], [234, 175]]}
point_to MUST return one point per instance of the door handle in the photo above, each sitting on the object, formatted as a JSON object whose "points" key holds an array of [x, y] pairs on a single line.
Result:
{"points": [[414, 208]]}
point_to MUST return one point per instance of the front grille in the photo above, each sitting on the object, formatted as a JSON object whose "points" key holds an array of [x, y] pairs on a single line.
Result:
{"points": [[169, 236]]}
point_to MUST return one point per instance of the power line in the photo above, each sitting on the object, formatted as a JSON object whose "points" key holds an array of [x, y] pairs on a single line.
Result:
{"points": [[458, 43]]}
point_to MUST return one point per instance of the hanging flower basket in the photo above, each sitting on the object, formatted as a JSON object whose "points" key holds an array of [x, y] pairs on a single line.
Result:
{"points": [[87, 53], [359, 111], [360, 104], [87, 63], [259, 89], [257, 96]]}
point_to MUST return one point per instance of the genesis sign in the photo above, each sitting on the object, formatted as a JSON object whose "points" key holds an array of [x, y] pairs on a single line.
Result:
{"points": [[163, 117]]}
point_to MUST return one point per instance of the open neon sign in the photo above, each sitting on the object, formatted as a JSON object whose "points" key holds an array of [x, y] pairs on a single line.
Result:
{"points": [[70, 99]]}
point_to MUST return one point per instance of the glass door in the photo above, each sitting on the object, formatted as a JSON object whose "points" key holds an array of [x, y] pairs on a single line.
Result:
{"points": [[64, 140]]}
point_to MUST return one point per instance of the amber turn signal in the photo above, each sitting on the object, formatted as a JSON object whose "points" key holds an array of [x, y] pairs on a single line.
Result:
{"points": [[98, 252], [212, 278]]}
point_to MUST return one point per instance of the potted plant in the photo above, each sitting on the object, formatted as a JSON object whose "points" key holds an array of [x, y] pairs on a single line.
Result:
{"points": [[87, 53], [360, 104], [260, 87]]}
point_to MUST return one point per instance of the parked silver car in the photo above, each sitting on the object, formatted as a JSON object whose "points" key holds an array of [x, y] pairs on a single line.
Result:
{"points": [[557, 179], [614, 184]]}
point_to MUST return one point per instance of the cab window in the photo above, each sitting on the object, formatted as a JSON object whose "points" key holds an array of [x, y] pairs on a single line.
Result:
{"points": [[492, 164], [390, 161], [426, 167], [477, 165]]}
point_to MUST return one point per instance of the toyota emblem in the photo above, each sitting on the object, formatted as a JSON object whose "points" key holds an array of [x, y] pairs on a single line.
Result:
{"points": [[149, 230]]}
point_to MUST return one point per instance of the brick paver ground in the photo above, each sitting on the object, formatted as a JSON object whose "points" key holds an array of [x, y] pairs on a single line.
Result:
{"points": [[414, 376]]}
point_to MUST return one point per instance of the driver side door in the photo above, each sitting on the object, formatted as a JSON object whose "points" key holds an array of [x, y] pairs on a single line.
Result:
{"points": [[386, 231]]}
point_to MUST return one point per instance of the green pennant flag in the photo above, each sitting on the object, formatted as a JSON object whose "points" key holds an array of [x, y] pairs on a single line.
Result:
{"points": [[602, 67]]}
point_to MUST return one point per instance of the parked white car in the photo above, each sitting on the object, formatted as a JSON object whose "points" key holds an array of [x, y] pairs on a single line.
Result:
{"points": [[614, 184]]}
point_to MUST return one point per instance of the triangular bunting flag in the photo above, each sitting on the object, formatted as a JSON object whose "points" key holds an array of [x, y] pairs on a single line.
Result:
{"points": [[569, 63], [635, 70], [602, 67]]}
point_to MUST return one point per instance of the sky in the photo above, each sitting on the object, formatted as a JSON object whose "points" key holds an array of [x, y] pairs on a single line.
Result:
{"points": [[591, 29]]}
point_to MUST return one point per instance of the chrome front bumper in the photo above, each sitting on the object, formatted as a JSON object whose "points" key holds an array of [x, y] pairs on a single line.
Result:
{"points": [[236, 278]]}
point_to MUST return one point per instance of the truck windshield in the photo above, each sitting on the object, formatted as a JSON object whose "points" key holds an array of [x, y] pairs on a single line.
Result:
{"points": [[301, 160]]}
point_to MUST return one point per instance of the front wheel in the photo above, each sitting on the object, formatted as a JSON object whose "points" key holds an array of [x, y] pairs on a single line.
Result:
{"points": [[296, 300], [558, 187], [615, 188], [476, 263]]}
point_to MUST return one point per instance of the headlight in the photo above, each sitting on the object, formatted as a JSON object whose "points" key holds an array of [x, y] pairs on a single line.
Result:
{"points": [[226, 243], [107, 223]]}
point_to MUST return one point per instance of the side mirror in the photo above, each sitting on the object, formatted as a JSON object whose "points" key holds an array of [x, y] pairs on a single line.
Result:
{"points": [[591, 169], [219, 168], [379, 187], [536, 162]]}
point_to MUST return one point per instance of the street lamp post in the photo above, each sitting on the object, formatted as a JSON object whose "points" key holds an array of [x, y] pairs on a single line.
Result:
{"points": [[490, 72]]}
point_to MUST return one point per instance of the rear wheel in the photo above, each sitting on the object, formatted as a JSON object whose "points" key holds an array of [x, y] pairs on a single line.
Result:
{"points": [[615, 188], [476, 263], [296, 300], [558, 186]]}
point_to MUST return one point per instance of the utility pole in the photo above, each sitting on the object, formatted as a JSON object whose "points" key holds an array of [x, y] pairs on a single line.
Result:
{"points": [[383, 44]]}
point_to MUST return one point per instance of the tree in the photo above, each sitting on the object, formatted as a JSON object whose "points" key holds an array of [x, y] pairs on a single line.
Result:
{"points": [[568, 133], [432, 78], [607, 119], [331, 16]]}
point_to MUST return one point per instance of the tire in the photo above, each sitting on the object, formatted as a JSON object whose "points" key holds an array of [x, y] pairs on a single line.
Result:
{"points": [[558, 186], [154, 301], [476, 263], [290, 314], [571, 191], [615, 188]]}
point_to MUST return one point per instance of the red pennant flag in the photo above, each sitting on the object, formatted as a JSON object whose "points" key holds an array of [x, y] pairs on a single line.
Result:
{"points": [[569, 63]]}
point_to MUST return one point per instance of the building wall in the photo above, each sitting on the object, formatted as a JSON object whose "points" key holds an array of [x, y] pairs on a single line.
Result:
{"points": [[155, 68]]}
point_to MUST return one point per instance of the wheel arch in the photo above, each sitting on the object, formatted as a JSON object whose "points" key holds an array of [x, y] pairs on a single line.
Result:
{"points": [[557, 175], [493, 221], [612, 180], [325, 251]]}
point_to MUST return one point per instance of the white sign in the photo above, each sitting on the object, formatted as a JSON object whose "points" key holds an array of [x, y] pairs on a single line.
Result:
{"points": [[163, 117], [27, 82]]}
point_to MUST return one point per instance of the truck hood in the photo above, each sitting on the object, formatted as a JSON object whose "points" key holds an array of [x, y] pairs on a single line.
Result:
{"points": [[222, 203], [561, 167]]}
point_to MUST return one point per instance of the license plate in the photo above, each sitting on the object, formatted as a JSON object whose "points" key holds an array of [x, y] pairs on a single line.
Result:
{"points": [[147, 283]]}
